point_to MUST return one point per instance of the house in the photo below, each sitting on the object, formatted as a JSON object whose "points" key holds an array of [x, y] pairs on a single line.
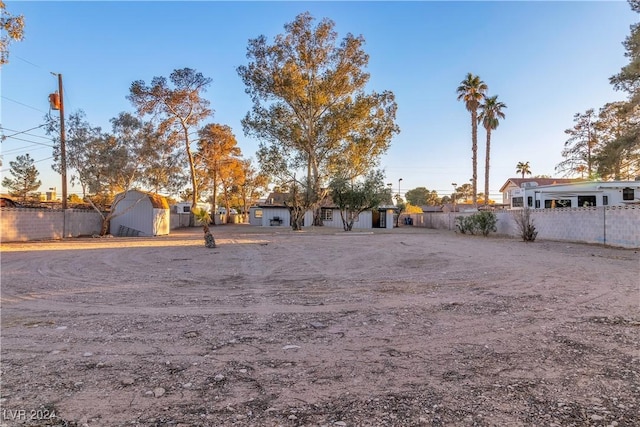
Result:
{"points": [[576, 194], [517, 183], [139, 213], [273, 212]]}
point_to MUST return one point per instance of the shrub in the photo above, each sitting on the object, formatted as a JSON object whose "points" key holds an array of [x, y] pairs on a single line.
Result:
{"points": [[482, 222], [485, 222], [525, 225], [465, 224]]}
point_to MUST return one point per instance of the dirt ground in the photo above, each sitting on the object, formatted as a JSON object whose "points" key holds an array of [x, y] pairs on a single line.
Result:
{"points": [[402, 327]]}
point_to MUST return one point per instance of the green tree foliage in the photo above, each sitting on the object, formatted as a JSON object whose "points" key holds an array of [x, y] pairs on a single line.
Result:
{"points": [[471, 91], [628, 79], [251, 187], [25, 177], [179, 105], [218, 155], [310, 109], [11, 29], [579, 149], [354, 197], [422, 196], [618, 127], [523, 168], [464, 191], [490, 115], [104, 164]]}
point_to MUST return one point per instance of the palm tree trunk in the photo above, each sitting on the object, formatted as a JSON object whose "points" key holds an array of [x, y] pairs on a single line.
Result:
{"points": [[486, 168], [474, 151]]}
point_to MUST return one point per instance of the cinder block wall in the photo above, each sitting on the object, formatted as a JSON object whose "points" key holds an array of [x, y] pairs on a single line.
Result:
{"points": [[20, 225], [612, 225]]}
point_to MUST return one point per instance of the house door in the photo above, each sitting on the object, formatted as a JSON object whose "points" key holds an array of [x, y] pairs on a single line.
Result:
{"points": [[383, 219], [375, 219]]}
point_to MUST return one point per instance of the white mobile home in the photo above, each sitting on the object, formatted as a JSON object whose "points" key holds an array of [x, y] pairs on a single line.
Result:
{"points": [[575, 195]]}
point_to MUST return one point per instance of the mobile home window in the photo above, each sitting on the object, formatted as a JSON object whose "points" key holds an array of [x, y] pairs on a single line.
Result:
{"points": [[326, 214], [562, 203], [257, 213], [627, 194], [605, 200], [517, 202], [584, 201]]}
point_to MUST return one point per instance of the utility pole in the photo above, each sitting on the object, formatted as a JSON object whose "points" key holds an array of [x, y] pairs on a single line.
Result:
{"points": [[63, 151]]}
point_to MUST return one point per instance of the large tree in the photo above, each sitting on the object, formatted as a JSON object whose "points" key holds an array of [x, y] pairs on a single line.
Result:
{"points": [[628, 79], [581, 146], [618, 127], [251, 187], [490, 115], [471, 91], [354, 197], [217, 151], [420, 196], [106, 165], [25, 177], [179, 105], [11, 29], [310, 109]]}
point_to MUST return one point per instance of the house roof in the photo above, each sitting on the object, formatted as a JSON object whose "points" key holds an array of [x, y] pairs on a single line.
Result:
{"points": [[540, 181], [277, 200]]}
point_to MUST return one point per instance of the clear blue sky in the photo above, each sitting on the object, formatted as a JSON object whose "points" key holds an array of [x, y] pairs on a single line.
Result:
{"points": [[545, 60]]}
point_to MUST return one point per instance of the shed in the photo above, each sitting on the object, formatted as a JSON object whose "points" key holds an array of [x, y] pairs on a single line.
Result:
{"points": [[138, 213]]}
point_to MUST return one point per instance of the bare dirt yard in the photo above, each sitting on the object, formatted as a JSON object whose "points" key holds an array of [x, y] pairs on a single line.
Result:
{"points": [[403, 327]]}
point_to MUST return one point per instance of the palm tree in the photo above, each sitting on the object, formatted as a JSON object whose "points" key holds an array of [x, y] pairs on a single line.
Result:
{"points": [[523, 167], [471, 91], [490, 113], [203, 217]]}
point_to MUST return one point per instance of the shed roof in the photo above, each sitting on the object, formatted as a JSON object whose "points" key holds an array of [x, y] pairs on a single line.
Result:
{"points": [[157, 201]]}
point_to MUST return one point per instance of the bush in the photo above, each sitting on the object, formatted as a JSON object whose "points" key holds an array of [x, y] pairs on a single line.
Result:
{"points": [[525, 225], [465, 224], [482, 222], [485, 222]]}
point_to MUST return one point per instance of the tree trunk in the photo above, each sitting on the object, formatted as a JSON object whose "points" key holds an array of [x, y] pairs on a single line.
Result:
{"points": [[474, 151], [105, 227], [486, 168]]}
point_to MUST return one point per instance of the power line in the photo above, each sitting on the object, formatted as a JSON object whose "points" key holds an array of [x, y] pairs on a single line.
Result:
{"points": [[21, 103], [35, 161], [17, 150], [28, 62], [18, 133], [27, 140]]}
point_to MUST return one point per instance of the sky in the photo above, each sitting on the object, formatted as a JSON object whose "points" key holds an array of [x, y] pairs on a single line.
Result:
{"points": [[545, 60]]}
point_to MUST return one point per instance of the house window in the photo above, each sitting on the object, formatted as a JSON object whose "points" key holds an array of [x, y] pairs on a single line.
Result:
{"points": [[257, 213], [529, 201], [326, 214], [517, 202], [562, 203], [605, 200], [627, 194], [585, 201]]}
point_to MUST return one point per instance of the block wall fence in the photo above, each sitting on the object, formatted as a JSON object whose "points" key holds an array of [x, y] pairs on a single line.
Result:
{"points": [[612, 225]]}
